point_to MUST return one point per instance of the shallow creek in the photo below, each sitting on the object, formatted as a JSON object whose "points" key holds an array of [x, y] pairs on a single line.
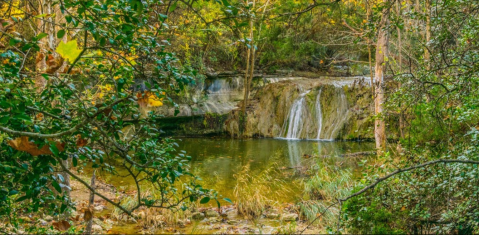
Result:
{"points": [[220, 162]]}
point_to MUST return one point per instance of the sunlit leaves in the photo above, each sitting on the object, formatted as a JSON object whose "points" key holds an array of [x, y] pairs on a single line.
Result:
{"points": [[69, 50]]}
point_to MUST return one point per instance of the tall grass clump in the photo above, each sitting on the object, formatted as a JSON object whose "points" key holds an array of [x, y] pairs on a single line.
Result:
{"points": [[328, 183], [257, 191]]}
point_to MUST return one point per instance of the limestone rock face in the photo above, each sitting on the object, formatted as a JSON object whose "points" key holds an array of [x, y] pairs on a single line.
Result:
{"points": [[308, 109]]}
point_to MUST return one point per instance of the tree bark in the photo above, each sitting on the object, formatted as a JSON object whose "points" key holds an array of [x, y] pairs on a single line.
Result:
{"points": [[399, 13], [382, 48], [248, 73], [90, 211], [427, 54]]}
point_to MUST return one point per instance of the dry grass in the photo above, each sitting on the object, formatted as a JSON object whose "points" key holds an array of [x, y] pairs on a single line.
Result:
{"points": [[255, 192]]}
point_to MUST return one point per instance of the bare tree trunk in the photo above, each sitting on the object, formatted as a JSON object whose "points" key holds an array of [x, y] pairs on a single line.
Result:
{"points": [[89, 213], [248, 74], [401, 121], [49, 62], [427, 54], [368, 15], [380, 69]]}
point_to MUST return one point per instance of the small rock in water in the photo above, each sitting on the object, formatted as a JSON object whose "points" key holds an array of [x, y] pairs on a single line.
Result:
{"points": [[232, 222], [198, 216], [290, 217], [98, 208], [272, 216], [211, 213]]}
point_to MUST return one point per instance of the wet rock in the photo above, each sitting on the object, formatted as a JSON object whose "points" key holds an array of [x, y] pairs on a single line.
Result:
{"points": [[232, 222], [211, 213], [48, 218], [290, 217], [198, 216]]}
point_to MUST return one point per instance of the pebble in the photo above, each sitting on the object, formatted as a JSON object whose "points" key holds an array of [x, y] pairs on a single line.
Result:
{"points": [[272, 216], [98, 208], [42, 222], [96, 228]]}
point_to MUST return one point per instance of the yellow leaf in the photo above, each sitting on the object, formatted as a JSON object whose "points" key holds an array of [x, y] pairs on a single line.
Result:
{"points": [[69, 50]]}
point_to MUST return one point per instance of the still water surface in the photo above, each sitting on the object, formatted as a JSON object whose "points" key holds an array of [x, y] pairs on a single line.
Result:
{"points": [[218, 161]]}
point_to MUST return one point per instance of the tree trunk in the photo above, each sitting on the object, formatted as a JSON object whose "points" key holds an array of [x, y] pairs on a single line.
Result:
{"points": [[399, 14], [427, 54], [380, 69], [89, 213], [248, 74], [49, 62]]}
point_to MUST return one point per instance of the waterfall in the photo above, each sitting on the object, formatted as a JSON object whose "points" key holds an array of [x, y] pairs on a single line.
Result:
{"points": [[319, 114], [293, 125], [306, 120]]}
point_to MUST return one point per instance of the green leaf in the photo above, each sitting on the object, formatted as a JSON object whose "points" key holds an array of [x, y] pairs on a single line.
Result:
{"points": [[13, 192], [56, 186], [69, 50], [173, 7], [54, 149], [40, 36], [228, 200], [60, 33], [75, 161], [205, 200]]}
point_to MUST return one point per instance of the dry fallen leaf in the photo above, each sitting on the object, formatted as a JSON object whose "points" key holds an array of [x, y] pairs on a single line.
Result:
{"points": [[81, 142], [61, 225], [23, 144]]}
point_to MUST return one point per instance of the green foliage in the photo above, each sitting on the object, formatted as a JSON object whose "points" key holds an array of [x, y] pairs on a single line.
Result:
{"points": [[79, 115]]}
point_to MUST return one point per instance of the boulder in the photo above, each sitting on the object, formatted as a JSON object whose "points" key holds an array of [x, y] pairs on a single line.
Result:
{"points": [[290, 217]]}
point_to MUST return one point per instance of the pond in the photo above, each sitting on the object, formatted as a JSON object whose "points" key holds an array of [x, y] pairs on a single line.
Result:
{"points": [[239, 169], [219, 161]]}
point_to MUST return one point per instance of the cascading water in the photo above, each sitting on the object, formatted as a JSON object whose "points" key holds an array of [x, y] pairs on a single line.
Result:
{"points": [[303, 123], [294, 123], [319, 115]]}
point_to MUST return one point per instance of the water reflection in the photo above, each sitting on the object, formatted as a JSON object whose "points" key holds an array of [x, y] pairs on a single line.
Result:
{"points": [[218, 160]]}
